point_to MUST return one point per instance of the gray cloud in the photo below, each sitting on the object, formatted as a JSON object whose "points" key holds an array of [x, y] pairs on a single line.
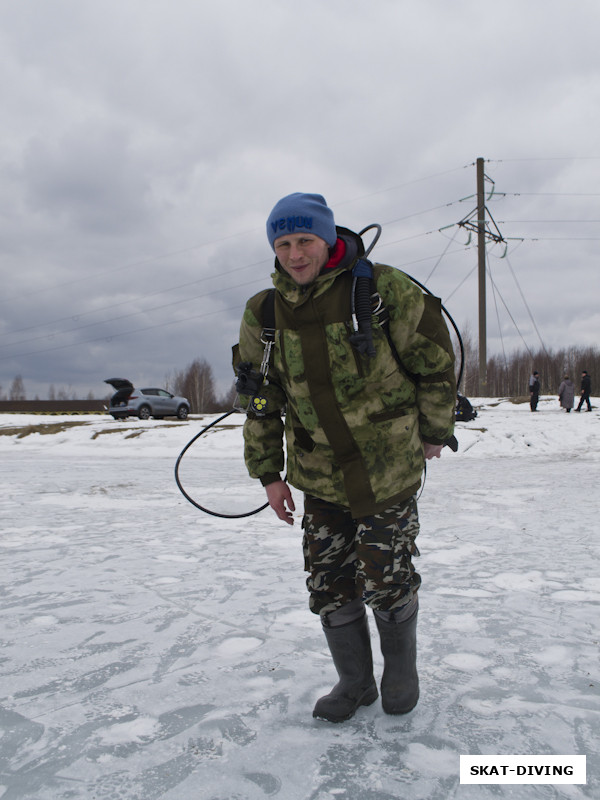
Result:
{"points": [[144, 143]]}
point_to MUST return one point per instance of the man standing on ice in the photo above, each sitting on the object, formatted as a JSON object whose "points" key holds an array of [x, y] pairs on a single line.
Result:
{"points": [[586, 390], [360, 420], [534, 390]]}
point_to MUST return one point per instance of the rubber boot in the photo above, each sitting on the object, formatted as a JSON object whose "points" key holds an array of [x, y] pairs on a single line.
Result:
{"points": [[400, 681], [350, 647]]}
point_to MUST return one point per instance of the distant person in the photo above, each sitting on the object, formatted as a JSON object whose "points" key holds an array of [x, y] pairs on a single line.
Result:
{"points": [[534, 390], [566, 394], [586, 390]]}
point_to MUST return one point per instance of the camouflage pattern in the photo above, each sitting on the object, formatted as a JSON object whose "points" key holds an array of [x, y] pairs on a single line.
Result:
{"points": [[370, 557], [354, 426]]}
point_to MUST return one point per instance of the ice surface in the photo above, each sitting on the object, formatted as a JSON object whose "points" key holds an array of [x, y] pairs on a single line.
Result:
{"points": [[152, 651]]}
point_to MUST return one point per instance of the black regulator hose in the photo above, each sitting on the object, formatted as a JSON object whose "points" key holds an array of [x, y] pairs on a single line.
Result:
{"points": [[362, 309], [186, 495], [375, 237]]}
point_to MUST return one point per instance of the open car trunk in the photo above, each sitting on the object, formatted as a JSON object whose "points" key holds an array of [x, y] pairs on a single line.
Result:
{"points": [[124, 389]]}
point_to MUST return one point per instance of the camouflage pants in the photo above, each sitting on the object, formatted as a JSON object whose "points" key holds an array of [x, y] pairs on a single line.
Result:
{"points": [[369, 557]]}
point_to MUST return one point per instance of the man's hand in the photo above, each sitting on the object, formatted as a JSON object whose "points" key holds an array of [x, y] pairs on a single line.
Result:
{"points": [[279, 495], [432, 450]]}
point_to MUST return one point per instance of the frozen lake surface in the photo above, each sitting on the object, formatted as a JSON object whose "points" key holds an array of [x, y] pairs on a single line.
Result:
{"points": [[152, 651]]}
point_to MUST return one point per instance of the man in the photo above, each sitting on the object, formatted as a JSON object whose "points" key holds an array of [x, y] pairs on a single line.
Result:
{"points": [[586, 390], [358, 428], [534, 390]]}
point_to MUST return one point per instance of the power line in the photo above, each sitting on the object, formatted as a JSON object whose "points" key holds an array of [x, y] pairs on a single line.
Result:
{"points": [[508, 311], [467, 276], [124, 333], [76, 316], [151, 259], [547, 194], [554, 238], [403, 185], [549, 221], [556, 158], [133, 313], [147, 327], [123, 267], [442, 255], [137, 298], [526, 304], [497, 314], [426, 211]]}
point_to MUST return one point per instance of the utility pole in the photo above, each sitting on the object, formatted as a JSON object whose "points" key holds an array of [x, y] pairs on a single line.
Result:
{"points": [[477, 222], [481, 239]]}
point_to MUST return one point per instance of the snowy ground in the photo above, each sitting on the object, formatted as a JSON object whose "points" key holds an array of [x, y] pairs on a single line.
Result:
{"points": [[152, 651]]}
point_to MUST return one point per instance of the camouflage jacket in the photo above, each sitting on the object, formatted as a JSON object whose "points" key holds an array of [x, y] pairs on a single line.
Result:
{"points": [[354, 426]]}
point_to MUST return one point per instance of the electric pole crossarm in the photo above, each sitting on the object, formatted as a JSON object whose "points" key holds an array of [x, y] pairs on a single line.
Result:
{"points": [[472, 223]]}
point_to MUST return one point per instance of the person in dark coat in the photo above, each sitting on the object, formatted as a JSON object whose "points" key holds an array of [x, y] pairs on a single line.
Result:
{"points": [[566, 394], [534, 390], [586, 390]]}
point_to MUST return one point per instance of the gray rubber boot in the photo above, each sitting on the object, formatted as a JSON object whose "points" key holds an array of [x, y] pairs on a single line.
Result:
{"points": [[400, 681], [350, 647]]}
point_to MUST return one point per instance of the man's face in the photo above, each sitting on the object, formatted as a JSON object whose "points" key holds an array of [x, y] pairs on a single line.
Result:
{"points": [[302, 256]]}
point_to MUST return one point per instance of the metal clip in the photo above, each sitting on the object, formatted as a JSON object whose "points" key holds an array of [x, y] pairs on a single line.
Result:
{"points": [[264, 367]]}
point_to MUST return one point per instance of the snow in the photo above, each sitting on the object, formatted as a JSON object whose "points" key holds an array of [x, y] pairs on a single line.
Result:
{"points": [[150, 650]]}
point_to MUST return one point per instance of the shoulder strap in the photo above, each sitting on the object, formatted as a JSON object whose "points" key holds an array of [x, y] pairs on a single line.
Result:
{"points": [[268, 314]]}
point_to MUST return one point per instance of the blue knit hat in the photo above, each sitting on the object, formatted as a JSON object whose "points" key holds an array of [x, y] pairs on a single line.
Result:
{"points": [[300, 212]]}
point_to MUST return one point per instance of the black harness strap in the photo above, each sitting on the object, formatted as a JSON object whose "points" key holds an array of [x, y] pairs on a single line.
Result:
{"points": [[268, 309]]}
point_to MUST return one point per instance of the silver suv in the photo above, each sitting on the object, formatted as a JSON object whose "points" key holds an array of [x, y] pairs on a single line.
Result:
{"points": [[145, 403]]}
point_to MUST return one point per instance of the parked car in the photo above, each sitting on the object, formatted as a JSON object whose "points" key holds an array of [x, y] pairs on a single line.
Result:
{"points": [[145, 403]]}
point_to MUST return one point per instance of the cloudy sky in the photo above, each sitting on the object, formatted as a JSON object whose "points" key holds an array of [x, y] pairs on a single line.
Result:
{"points": [[144, 142]]}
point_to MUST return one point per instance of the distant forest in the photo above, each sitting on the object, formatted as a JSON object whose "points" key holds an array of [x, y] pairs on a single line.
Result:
{"points": [[506, 377], [196, 382], [509, 376]]}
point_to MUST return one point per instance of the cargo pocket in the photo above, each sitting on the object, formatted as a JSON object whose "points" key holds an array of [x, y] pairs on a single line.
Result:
{"points": [[400, 569], [386, 543]]}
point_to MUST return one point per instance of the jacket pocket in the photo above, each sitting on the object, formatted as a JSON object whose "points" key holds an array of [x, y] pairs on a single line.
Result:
{"points": [[303, 440]]}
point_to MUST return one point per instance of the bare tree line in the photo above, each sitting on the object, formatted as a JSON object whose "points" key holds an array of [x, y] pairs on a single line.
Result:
{"points": [[508, 376], [17, 393], [196, 382]]}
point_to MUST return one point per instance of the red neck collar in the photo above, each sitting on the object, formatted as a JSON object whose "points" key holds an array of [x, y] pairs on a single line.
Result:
{"points": [[338, 251]]}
